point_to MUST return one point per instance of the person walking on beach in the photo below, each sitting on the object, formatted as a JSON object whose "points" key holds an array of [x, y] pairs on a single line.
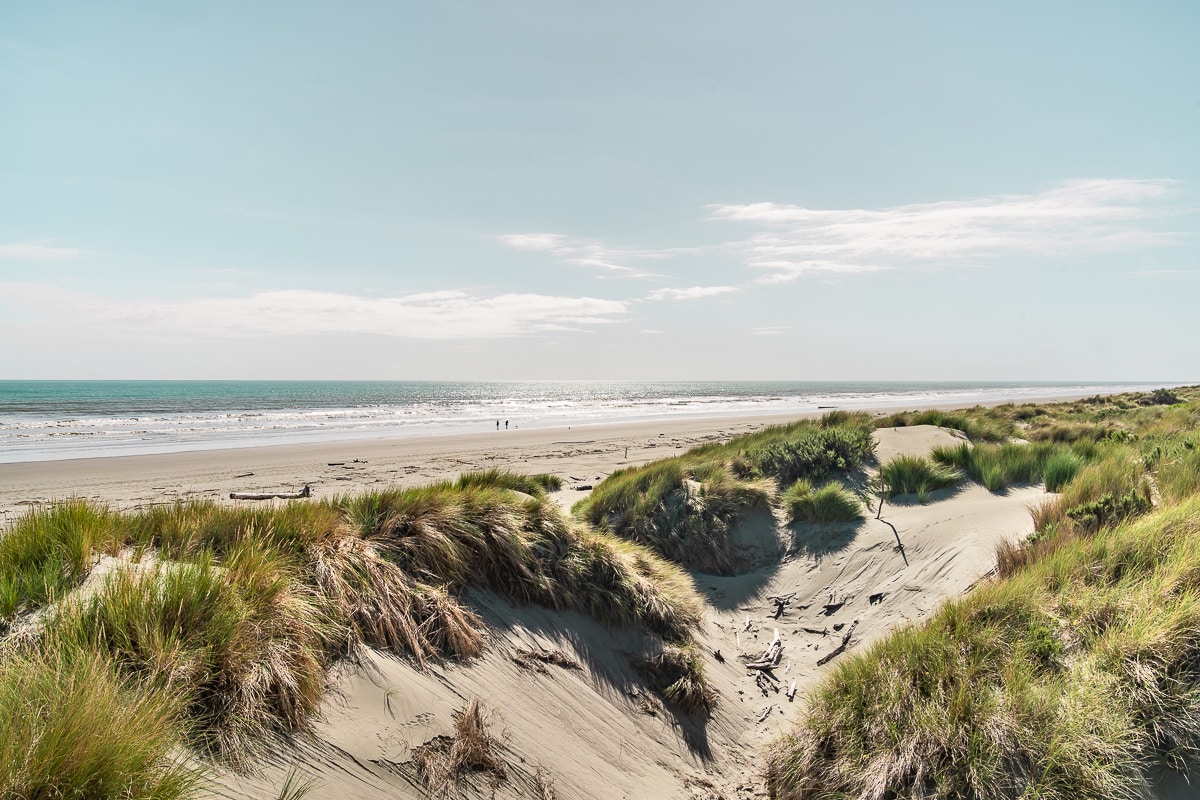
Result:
{"points": [[497, 424], [505, 424]]}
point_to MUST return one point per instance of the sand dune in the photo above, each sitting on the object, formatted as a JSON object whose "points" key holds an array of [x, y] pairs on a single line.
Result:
{"points": [[598, 730]]}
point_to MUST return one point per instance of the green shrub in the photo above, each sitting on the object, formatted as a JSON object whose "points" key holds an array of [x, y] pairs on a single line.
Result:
{"points": [[815, 454]]}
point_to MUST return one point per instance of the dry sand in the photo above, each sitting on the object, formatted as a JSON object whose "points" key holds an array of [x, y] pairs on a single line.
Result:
{"points": [[590, 732]]}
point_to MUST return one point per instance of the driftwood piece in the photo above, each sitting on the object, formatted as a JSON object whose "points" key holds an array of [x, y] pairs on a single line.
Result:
{"points": [[771, 657], [766, 713], [305, 492], [791, 692], [841, 648], [817, 631]]}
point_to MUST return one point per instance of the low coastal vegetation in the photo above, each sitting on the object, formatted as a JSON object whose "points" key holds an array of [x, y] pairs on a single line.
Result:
{"points": [[917, 475], [210, 629], [1074, 672], [830, 503], [685, 507]]}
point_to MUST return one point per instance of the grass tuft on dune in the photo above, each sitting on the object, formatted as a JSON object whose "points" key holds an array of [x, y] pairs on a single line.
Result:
{"points": [[685, 507], [1072, 675], [218, 624]]}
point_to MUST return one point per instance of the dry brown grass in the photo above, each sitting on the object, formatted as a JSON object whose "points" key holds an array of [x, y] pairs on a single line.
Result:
{"points": [[445, 761]]}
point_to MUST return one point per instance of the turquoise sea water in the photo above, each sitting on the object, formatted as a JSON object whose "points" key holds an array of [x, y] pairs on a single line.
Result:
{"points": [[70, 419]]}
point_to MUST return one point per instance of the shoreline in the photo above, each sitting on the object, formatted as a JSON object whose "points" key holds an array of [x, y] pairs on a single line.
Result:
{"points": [[580, 454]]}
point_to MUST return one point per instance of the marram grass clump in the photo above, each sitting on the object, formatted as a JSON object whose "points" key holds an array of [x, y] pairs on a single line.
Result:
{"points": [[214, 627], [1074, 678], [830, 503], [904, 474], [686, 507]]}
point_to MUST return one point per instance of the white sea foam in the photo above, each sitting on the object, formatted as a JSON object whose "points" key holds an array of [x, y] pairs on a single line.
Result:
{"points": [[97, 419]]}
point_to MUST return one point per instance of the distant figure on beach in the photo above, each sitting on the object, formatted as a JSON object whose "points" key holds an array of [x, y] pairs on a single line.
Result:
{"points": [[497, 424], [505, 424]]}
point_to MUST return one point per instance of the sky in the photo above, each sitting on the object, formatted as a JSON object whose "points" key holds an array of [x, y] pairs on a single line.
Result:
{"points": [[558, 190]]}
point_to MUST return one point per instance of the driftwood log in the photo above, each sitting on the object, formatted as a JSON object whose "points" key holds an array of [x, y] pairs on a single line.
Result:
{"points": [[305, 492], [770, 659], [841, 648]]}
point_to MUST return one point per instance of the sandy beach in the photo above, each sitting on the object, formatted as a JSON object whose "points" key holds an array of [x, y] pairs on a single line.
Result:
{"points": [[581, 455]]}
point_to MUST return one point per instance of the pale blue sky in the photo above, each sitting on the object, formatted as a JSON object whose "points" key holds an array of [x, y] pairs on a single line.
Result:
{"points": [[459, 190]]}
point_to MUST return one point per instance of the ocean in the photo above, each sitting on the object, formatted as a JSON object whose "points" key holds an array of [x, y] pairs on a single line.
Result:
{"points": [[46, 420]]}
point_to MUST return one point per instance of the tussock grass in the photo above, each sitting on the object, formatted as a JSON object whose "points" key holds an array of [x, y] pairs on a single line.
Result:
{"points": [[678, 673], [49, 551], [1060, 469], [473, 748], [830, 503], [685, 507], [684, 511], [72, 727], [1072, 678], [534, 485], [979, 424], [999, 466], [236, 614], [906, 474], [242, 644], [1104, 492]]}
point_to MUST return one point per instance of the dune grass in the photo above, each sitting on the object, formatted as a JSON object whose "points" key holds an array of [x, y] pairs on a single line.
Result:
{"points": [[47, 553], [999, 466], [219, 624], [831, 503], [685, 507], [905, 474], [1074, 674], [682, 510], [1072, 678], [73, 727], [979, 424]]}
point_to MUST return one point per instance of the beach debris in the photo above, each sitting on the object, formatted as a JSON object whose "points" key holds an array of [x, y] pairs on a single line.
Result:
{"points": [[336, 464], [781, 602], [766, 683], [817, 631], [244, 475], [305, 492], [747, 623], [841, 648], [765, 713], [536, 660], [831, 608], [791, 692], [877, 598], [717, 655], [770, 659]]}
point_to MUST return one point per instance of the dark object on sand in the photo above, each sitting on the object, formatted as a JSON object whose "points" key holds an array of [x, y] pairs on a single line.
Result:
{"points": [[305, 492]]}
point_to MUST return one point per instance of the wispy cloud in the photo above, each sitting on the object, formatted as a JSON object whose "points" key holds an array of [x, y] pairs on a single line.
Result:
{"points": [[1150, 273], [691, 293], [771, 330], [612, 262], [1075, 216], [432, 315], [41, 253]]}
